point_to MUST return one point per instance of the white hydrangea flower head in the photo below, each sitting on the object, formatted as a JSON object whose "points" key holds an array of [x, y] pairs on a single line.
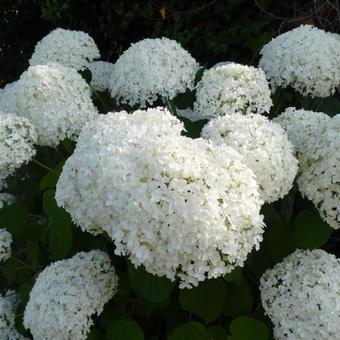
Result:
{"points": [[101, 74], [5, 244], [56, 100], [6, 198], [67, 293], [264, 147], [74, 49], [319, 180], [301, 296], [7, 313], [232, 88], [8, 98], [17, 137], [152, 68], [181, 207], [306, 59], [301, 126]]}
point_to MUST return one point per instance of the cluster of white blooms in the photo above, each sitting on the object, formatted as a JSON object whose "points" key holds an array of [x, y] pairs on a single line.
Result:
{"points": [[67, 293], [150, 69], [17, 137], [178, 206], [301, 296], [264, 147], [7, 98], [305, 58], [5, 244], [319, 180], [301, 126], [232, 88], [6, 199], [75, 49], [101, 74], [56, 100]]}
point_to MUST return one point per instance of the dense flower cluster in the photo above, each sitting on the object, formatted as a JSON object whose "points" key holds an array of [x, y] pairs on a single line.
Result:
{"points": [[319, 180], [56, 100], [17, 137], [75, 49], [6, 199], [67, 293], [264, 147], [101, 74], [5, 245], [305, 58], [301, 126], [232, 88], [7, 98], [181, 207], [301, 296], [150, 69]]}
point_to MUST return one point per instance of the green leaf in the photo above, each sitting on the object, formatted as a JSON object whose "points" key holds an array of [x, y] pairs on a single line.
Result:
{"points": [[330, 106], [60, 227], [96, 335], [191, 330], [206, 300], [50, 179], [149, 287], [218, 332], [239, 300], [125, 329], [13, 218], [246, 328], [10, 271], [310, 231]]}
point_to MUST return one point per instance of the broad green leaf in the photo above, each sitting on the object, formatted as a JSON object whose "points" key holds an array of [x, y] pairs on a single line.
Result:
{"points": [[206, 300], [60, 227], [13, 218], [125, 329], [246, 328], [310, 231], [50, 179], [191, 330], [149, 287], [218, 332]]}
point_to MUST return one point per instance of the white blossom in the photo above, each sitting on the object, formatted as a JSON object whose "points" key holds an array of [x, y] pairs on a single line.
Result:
{"points": [[8, 98], [264, 147], [75, 49], [5, 244], [56, 100], [301, 295], [181, 207], [152, 68], [17, 137], [232, 88], [6, 199], [305, 58], [67, 293], [101, 74]]}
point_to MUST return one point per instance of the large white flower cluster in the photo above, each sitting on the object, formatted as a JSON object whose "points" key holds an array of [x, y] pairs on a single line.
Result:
{"points": [[301, 296], [67, 293], [56, 100], [5, 244], [305, 58], [264, 147], [319, 180], [150, 69], [178, 206], [101, 74], [17, 137], [8, 98], [302, 127], [232, 88], [75, 49]]}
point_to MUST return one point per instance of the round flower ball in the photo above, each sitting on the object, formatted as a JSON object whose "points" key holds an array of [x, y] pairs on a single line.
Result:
{"points": [[101, 74], [180, 207], [150, 69], [232, 88], [5, 245], [264, 148], [17, 136], [75, 49], [319, 178], [306, 59], [67, 294], [301, 295], [56, 100]]}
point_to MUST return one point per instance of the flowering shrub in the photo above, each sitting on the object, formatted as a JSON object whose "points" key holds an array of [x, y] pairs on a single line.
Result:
{"points": [[152, 198]]}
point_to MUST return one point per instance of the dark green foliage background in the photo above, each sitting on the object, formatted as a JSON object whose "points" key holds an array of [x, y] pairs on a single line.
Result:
{"points": [[148, 307]]}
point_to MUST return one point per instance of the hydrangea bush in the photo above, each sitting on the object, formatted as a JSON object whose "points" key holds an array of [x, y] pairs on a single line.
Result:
{"points": [[156, 198]]}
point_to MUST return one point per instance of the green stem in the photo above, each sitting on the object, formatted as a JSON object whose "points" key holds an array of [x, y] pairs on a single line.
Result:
{"points": [[170, 106], [44, 166], [99, 97]]}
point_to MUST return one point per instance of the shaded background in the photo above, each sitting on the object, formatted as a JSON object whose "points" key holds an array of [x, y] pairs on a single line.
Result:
{"points": [[211, 30]]}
